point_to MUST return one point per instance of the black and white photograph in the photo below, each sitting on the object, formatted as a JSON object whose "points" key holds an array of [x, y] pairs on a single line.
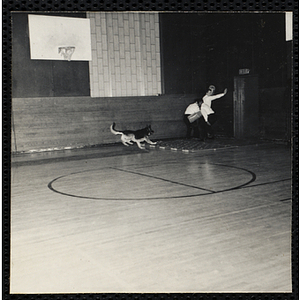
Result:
{"points": [[151, 152]]}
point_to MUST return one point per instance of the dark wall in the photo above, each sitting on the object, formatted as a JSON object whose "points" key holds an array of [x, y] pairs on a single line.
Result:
{"points": [[44, 78], [258, 43], [183, 53], [204, 48]]}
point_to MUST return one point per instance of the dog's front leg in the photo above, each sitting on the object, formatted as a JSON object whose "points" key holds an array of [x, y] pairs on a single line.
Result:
{"points": [[140, 145], [150, 142], [124, 143]]}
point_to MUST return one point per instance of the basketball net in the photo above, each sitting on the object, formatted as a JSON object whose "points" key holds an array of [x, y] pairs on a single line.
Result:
{"points": [[66, 52]]}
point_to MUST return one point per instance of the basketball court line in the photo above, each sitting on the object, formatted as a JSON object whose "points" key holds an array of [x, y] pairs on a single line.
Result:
{"points": [[284, 200], [208, 192], [167, 180], [266, 183], [212, 192]]}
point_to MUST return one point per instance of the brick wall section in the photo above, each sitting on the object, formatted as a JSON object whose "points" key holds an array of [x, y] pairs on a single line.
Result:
{"points": [[125, 54]]}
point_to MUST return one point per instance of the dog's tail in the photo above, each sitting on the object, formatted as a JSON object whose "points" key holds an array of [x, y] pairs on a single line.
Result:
{"points": [[112, 129]]}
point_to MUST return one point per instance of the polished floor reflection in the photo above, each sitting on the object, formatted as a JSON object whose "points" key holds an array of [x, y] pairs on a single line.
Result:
{"points": [[124, 220]]}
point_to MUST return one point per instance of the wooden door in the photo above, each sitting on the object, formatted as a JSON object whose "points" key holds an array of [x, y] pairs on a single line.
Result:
{"points": [[246, 106]]}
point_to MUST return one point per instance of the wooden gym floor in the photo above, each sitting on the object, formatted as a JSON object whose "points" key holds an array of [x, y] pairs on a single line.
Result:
{"points": [[118, 219]]}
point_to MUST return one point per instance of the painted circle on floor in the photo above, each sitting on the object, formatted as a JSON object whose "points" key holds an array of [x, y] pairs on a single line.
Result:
{"points": [[152, 183]]}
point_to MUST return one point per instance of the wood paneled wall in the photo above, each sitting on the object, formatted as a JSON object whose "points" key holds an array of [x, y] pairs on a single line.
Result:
{"points": [[57, 123], [125, 54]]}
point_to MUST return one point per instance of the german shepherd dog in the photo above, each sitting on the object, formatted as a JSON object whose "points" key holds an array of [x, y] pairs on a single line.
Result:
{"points": [[137, 136]]}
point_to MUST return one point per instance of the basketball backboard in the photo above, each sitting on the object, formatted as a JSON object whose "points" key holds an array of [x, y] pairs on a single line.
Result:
{"points": [[52, 37]]}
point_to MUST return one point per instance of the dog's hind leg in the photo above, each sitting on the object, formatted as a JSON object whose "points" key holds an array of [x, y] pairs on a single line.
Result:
{"points": [[125, 141]]}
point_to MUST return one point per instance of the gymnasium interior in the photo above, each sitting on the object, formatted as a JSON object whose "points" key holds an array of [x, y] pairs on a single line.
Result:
{"points": [[90, 215]]}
